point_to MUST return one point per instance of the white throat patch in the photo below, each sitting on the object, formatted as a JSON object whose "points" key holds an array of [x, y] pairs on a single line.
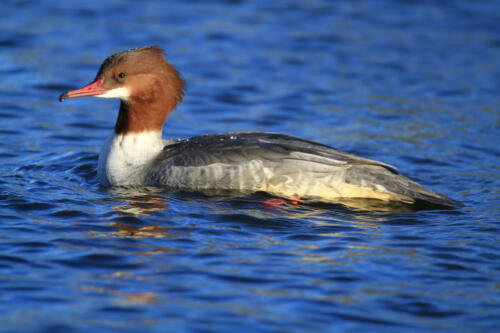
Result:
{"points": [[122, 93]]}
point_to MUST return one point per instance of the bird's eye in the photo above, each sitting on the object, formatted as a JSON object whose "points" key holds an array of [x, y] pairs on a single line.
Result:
{"points": [[122, 75]]}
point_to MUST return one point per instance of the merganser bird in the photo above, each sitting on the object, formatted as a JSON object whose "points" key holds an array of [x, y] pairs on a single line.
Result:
{"points": [[135, 154]]}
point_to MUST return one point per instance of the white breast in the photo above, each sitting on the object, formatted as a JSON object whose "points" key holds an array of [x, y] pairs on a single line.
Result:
{"points": [[124, 159]]}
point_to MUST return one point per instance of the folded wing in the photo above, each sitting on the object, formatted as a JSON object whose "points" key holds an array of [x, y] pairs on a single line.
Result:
{"points": [[281, 165]]}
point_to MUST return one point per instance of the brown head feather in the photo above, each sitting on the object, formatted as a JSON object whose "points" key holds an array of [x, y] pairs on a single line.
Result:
{"points": [[155, 87]]}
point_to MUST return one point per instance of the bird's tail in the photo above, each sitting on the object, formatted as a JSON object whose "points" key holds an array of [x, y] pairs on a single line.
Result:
{"points": [[388, 181]]}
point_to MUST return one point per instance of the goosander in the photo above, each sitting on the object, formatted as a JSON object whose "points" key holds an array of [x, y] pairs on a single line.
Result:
{"points": [[285, 166]]}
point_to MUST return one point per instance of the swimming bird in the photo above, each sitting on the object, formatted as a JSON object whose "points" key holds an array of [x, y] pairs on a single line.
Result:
{"points": [[149, 88]]}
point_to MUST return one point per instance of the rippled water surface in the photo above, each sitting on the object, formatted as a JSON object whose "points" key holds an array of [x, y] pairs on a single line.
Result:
{"points": [[414, 84]]}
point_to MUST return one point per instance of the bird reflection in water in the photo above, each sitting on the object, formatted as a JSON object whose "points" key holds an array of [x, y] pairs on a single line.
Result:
{"points": [[338, 225], [145, 201], [134, 202], [138, 201]]}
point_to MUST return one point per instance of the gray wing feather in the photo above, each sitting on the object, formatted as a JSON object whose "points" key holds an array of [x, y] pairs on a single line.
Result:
{"points": [[242, 146], [243, 160]]}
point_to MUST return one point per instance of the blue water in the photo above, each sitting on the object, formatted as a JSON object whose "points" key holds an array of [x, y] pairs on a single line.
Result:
{"points": [[414, 84]]}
